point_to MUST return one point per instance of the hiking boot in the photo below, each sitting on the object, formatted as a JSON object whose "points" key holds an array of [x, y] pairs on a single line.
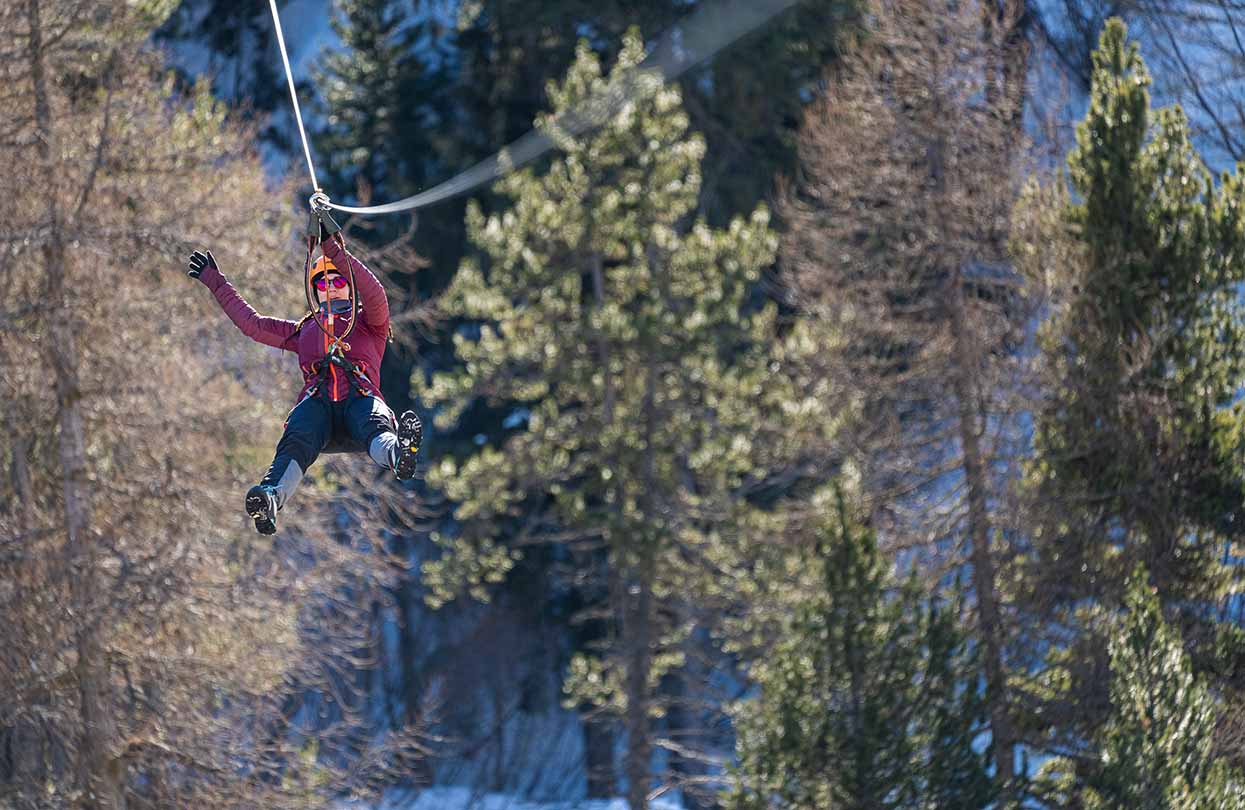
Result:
{"points": [[261, 505], [410, 434]]}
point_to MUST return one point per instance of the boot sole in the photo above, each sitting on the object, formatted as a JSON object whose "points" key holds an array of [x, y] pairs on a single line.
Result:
{"points": [[257, 508], [410, 434]]}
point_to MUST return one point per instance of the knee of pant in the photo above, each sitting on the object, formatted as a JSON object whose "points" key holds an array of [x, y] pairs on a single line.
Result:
{"points": [[301, 447], [371, 419], [371, 437]]}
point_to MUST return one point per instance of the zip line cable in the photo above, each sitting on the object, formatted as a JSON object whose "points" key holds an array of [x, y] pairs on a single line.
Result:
{"points": [[689, 43], [298, 114]]}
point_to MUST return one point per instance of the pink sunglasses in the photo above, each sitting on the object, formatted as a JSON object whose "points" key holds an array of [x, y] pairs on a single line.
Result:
{"points": [[338, 283]]}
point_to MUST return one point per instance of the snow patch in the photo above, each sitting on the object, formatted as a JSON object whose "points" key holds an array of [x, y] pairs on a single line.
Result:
{"points": [[457, 798]]}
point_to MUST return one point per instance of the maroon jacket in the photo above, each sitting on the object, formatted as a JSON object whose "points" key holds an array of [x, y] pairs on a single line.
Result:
{"points": [[367, 341]]}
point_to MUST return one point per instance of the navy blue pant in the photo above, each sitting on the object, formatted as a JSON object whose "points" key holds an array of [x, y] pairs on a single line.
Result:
{"points": [[317, 426]]}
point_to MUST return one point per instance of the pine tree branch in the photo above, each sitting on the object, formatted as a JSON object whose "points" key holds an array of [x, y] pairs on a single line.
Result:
{"points": [[100, 146]]}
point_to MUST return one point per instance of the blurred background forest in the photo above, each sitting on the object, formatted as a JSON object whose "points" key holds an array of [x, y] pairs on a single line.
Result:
{"points": [[855, 422]]}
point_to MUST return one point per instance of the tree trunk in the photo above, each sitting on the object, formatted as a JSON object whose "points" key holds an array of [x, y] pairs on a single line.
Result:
{"points": [[406, 706], [24, 509], [600, 731], [638, 623], [598, 734], [100, 778], [1006, 87], [984, 579], [684, 724], [1004, 32], [598, 756], [639, 661], [19, 742], [1015, 59]]}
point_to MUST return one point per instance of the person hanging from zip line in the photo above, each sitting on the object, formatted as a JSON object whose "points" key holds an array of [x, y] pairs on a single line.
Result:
{"points": [[340, 408]]}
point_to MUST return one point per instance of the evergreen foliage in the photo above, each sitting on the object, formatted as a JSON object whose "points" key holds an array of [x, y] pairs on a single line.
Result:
{"points": [[868, 691], [626, 417], [598, 309], [644, 382], [1157, 747], [747, 105], [1138, 442], [897, 236], [240, 45], [379, 92], [1144, 349]]}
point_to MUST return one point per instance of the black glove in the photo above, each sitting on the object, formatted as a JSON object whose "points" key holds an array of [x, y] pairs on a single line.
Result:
{"points": [[198, 261]]}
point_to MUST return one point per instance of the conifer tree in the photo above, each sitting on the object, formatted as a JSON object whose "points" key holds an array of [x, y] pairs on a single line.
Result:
{"points": [[1157, 747], [868, 692], [237, 40], [1137, 437], [378, 95], [747, 103], [897, 234], [645, 384]]}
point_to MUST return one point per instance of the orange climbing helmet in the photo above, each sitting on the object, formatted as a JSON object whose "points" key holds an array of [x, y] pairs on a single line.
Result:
{"points": [[322, 265]]}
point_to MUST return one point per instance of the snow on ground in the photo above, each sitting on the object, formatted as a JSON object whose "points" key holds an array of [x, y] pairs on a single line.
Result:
{"points": [[457, 798]]}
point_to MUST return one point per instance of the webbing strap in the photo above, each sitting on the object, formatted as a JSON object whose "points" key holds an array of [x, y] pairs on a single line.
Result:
{"points": [[334, 342]]}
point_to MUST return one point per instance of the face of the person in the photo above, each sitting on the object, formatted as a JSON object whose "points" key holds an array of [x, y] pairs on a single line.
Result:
{"points": [[332, 287]]}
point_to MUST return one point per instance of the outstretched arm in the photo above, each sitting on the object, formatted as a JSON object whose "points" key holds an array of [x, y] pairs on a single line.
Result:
{"points": [[276, 332], [371, 291]]}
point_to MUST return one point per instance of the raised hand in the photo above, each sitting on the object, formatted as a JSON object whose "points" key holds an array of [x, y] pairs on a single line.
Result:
{"points": [[198, 261]]}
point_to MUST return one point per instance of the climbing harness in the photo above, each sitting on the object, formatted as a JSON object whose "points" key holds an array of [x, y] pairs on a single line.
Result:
{"points": [[354, 373], [691, 42]]}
